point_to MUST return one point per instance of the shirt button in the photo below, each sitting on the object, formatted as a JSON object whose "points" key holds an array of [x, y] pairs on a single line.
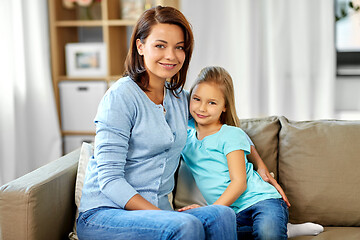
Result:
{"points": [[161, 165], [156, 182]]}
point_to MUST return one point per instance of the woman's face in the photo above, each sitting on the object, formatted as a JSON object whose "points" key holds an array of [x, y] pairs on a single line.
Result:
{"points": [[163, 51]]}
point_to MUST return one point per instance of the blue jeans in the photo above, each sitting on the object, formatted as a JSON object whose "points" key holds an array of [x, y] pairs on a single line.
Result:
{"points": [[264, 220], [210, 222]]}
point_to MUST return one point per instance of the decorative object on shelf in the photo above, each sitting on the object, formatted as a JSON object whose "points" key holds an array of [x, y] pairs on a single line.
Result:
{"points": [[86, 9], [132, 9], [86, 59]]}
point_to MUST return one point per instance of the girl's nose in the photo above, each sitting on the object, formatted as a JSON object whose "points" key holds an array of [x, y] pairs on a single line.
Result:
{"points": [[202, 107]]}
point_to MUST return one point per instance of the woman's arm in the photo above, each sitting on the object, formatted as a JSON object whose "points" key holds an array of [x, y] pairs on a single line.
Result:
{"points": [[237, 171], [263, 171], [137, 202]]}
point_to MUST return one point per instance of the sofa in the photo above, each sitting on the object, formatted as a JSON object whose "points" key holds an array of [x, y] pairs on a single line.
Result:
{"points": [[316, 162]]}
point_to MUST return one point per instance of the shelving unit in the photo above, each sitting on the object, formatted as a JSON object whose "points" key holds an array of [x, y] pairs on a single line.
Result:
{"points": [[65, 27]]}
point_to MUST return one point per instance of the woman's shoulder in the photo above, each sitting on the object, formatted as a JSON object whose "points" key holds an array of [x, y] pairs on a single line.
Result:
{"points": [[123, 88], [123, 84]]}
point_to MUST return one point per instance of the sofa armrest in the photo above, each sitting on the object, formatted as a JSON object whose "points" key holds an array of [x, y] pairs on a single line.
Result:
{"points": [[40, 204]]}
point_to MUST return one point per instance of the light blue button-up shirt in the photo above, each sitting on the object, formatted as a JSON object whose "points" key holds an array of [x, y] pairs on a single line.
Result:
{"points": [[137, 147]]}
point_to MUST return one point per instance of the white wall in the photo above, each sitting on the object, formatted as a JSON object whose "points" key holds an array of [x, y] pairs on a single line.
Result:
{"points": [[347, 97]]}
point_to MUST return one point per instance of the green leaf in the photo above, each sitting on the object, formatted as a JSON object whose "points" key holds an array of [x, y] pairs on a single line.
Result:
{"points": [[343, 13]]}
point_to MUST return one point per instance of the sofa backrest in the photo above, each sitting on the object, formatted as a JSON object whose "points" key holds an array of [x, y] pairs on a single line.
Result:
{"points": [[319, 163], [264, 132]]}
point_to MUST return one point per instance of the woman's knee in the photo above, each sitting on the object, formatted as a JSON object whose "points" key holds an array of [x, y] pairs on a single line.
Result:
{"points": [[186, 226], [222, 213]]}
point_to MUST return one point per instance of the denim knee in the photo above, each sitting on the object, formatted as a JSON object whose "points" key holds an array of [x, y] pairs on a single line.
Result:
{"points": [[186, 226], [221, 222], [270, 230], [220, 212]]}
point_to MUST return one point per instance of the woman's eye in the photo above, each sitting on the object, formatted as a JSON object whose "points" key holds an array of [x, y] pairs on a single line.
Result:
{"points": [[180, 48], [159, 46]]}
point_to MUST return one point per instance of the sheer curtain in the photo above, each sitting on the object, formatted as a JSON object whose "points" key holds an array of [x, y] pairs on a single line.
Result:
{"points": [[280, 53], [29, 132]]}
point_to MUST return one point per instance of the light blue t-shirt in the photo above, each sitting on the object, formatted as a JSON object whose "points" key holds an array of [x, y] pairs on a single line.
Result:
{"points": [[207, 160]]}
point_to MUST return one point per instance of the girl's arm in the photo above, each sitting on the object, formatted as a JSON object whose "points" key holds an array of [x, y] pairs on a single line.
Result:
{"points": [[237, 171], [263, 171]]}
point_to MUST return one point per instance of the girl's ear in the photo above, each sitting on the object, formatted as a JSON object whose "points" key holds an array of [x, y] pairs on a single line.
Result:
{"points": [[139, 47]]}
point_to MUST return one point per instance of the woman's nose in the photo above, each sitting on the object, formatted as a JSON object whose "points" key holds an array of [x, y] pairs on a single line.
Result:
{"points": [[170, 54]]}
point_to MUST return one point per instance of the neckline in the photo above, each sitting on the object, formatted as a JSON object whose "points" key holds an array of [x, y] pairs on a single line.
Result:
{"points": [[208, 136], [148, 99]]}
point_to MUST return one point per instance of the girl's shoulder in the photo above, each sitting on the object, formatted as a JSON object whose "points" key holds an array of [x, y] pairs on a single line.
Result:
{"points": [[234, 138], [232, 130]]}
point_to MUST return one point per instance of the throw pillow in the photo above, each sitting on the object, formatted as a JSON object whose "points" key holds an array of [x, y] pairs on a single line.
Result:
{"points": [[264, 134], [318, 170], [85, 153]]}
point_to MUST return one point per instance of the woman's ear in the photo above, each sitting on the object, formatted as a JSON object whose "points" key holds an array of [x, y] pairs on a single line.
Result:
{"points": [[139, 47]]}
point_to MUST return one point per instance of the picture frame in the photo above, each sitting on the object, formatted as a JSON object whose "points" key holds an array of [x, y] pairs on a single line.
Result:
{"points": [[86, 59]]}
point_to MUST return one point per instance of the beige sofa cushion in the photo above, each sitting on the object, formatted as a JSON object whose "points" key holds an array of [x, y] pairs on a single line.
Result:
{"points": [[264, 133], [319, 164], [40, 204]]}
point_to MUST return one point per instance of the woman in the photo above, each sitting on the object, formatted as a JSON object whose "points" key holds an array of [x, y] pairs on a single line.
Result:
{"points": [[140, 132]]}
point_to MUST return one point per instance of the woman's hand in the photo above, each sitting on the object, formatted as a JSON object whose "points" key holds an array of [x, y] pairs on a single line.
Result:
{"points": [[267, 177], [189, 207]]}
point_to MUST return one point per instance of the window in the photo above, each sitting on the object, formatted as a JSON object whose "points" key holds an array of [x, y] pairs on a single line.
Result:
{"points": [[347, 37]]}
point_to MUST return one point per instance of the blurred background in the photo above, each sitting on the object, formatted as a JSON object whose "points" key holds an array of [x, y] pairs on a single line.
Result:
{"points": [[299, 59]]}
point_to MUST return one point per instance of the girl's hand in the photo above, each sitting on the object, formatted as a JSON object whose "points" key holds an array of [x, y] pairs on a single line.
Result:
{"points": [[267, 177], [189, 207]]}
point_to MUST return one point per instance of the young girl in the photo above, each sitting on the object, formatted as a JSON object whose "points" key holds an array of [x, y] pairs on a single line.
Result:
{"points": [[216, 152]]}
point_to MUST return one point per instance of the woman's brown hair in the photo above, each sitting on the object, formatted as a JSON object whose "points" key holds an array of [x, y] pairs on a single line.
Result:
{"points": [[223, 80], [134, 63]]}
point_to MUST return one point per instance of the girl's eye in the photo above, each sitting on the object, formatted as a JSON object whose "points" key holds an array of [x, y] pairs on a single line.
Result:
{"points": [[180, 48], [159, 46], [212, 103], [196, 99]]}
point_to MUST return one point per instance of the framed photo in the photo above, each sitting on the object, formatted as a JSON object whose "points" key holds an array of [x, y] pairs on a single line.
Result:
{"points": [[86, 59]]}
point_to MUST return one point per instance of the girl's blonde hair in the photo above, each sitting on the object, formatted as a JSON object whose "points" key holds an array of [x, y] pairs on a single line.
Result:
{"points": [[223, 80]]}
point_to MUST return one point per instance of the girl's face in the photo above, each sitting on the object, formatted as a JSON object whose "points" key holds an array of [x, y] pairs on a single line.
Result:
{"points": [[163, 51], [206, 104]]}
